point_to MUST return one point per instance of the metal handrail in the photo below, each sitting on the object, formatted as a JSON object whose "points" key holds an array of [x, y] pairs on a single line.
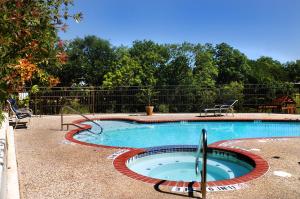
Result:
{"points": [[202, 147], [79, 113]]}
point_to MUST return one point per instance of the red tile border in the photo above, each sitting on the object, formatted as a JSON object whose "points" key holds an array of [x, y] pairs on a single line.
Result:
{"points": [[70, 135], [260, 168]]}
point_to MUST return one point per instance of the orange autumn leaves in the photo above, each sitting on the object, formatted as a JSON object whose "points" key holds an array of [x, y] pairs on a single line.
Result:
{"points": [[27, 68], [23, 72], [62, 57], [20, 73], [30, 47]]}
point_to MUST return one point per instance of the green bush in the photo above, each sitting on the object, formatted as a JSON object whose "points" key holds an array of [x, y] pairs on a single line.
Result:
{"points": [[77, 106], [163, 108], [1, 116], [232, 91], [205, 97], [24, 102]]}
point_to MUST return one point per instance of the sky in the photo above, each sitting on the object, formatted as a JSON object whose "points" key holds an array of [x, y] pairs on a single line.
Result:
{"points": [[255, 27]]}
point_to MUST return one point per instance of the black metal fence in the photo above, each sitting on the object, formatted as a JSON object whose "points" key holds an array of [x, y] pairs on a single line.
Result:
{"points": [[165, 99]]}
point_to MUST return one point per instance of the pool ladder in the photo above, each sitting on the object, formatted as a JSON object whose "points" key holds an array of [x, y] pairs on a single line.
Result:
{"points": [[77, 125], [202, 147]]}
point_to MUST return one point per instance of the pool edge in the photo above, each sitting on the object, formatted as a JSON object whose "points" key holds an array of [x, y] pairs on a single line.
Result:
{"points": [[70, 135], [261, 167]]}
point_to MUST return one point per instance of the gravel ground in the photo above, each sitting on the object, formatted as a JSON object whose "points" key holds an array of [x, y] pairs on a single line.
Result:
{"points": [[51, 167]]}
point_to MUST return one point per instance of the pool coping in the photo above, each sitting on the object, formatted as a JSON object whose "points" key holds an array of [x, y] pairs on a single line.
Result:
{"points": [[260, 168], [70, 135]]}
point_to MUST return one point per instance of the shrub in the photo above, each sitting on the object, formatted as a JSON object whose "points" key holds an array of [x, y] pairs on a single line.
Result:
{"points": [[77, 106], [231, 91], [163, 108]]}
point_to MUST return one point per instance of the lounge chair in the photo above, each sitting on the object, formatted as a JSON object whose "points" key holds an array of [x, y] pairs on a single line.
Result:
{"points": [[218, 109], [20, 113]]}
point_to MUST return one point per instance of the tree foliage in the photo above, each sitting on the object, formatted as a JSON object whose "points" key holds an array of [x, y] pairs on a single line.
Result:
{"points": [[151, 57], [293, 71], [206, 71], [265, 70], [95, 62], [29, 41], [177, 72], [213, 72], [89, 59], [127, 72], [232, 64]]}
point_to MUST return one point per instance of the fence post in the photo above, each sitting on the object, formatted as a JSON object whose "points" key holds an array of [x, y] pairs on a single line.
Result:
{"points": [[93, 101], [35, 104], [61, 119]]}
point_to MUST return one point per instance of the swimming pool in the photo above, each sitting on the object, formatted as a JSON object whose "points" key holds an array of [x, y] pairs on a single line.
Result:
{"points": [[142, 135]]}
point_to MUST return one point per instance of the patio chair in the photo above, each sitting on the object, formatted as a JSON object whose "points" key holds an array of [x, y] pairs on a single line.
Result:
{"points": [[226, 107], [20, 113]]}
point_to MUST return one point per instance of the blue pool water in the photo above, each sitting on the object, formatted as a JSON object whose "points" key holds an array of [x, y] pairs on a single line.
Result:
{"points": [[180, 166], [136, 135]]}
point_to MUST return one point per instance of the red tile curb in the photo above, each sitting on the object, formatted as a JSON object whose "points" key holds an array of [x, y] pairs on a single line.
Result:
{"points": [[261, 167], [70, 135]]}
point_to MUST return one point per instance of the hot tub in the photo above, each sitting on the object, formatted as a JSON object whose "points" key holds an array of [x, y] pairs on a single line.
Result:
{"points": [[177, 164]]}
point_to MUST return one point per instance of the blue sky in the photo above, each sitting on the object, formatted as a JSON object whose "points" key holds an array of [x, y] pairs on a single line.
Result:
{"points": [[255, 27]]}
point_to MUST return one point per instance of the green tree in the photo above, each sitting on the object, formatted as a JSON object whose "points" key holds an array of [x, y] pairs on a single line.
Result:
{"points": [[205, 74], [205, 71], [293, 71], [182, 50], [150, 56], [177, 72], [265, 70], [72, 72], [89, 60], [232, 64], [128, 72], [233, 91]]}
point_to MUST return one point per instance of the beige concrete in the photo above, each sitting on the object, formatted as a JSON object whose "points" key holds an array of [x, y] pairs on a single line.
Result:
{"points": [[3, 155], [12, 170], [51, 167]]}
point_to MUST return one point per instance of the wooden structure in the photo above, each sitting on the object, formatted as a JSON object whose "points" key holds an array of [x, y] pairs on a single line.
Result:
{"points": [[283, 104]]}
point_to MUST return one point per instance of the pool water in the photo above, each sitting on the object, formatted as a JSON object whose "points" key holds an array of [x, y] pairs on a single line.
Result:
{"points": [[180, 166], [136, 135]]}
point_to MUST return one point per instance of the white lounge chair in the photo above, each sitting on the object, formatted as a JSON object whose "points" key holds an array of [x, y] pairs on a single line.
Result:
{"points": [[218, 109]]}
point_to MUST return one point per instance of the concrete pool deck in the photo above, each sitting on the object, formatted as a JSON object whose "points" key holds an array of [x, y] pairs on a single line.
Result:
{"points": [[49, 166]]}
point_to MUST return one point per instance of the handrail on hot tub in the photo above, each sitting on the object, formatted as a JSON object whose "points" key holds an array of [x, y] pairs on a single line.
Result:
{"points": [[202, 147], [79, 113]]}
